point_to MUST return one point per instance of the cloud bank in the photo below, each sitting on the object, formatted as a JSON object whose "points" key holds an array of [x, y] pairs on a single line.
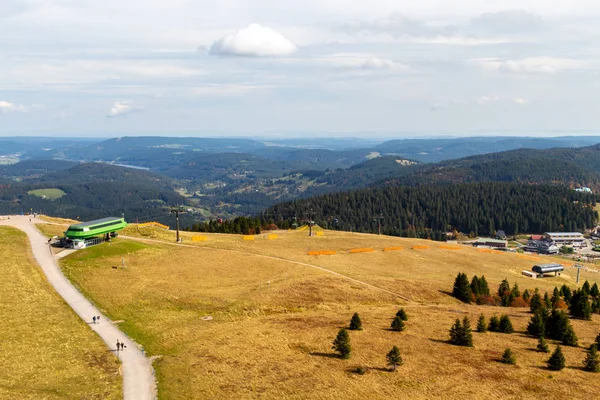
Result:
{"points": [[253, 41]]}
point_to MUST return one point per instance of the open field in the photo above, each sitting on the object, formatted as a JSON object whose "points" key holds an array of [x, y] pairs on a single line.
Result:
{"points": [[50, 194], [275, 311], [46, 351]]}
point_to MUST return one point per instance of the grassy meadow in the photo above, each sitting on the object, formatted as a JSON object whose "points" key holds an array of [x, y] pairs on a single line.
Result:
{"points": [[50, 194], [46, 351], [234, 318]]}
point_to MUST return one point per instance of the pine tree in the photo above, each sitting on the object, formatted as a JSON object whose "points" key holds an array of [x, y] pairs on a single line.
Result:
{"points": [[536, 302], [586, 288], [483, 286], [393, 358], [341, 344], [537, 325], [482, 325], [398, 324], [494, 325], [505, 325], [515, 291], [557, 325], [547, 301], [402, 314], [526, 296], [566, 293], [594, 291], [456, 333], [355, 323], [462, 288], [504, 287], [556, 362], [475, 286], [467, 333], [508, 357], [579, 306], [569, 338], [592, 361], [555, 297], [542, 345], [598, 340]]}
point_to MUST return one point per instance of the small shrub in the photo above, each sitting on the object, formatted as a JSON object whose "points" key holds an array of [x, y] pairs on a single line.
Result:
{"points": [[508, 357], [355, 323], [393, 358], [542, 345], [402, 314], [360, 370], [398, 324], [556, 362]]}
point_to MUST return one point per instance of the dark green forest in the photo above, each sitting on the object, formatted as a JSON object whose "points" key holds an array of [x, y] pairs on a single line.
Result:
{"points": [[431, 211]]}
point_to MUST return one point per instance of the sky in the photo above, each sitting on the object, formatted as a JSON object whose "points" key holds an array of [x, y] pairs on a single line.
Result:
{"points": [[283, 68]]}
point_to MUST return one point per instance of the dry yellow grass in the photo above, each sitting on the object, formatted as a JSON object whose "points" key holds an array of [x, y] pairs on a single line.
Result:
{"points": [[274, 318], [46, 351]]}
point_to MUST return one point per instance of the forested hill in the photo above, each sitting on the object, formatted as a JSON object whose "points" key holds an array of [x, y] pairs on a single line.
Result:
{"points": [[430, 211], [570, 167]]}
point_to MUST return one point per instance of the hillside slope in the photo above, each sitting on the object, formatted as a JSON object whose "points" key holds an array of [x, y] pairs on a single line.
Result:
{"points": [[238, 318]]}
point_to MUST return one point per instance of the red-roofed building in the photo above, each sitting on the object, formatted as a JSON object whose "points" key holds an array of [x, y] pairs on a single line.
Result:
{"points": [[536, 237]]}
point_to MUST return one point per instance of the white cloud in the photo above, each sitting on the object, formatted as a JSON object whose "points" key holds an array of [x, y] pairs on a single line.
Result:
{"points": [[532, 65], [224, 90], [520, 101], [120, 108], [377, 63], [509, 22], [253, 41], [7, 107]]}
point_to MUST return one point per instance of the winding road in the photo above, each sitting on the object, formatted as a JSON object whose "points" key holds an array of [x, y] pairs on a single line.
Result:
{"points": [[138, 376]]}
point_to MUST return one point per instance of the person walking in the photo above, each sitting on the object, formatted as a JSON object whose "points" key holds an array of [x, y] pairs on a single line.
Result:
{"points": [[94, 319], [118, 345], [122, 346], [98, 319]]}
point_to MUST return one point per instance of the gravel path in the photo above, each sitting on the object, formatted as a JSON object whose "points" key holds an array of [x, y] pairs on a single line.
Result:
{"points": [[138, 376]]}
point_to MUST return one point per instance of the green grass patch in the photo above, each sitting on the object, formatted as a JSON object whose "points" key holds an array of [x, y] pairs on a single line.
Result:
{"points": [[49, 194], [109, 249]]}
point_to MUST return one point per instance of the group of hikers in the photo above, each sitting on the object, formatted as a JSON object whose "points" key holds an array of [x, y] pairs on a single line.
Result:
{"points": [[120, 345]]}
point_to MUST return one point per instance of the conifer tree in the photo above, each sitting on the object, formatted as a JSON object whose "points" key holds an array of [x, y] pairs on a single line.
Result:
{"points": [[494, 325], [398, 324], [467, 333], [456, 333], [483, 286], [462, 288], [557, 325], [504, 287], [598, 340], [355, 323], [542, 345], [556, 362], [536, 302], [515, 291], [402, 314], [526, 295], [569, 337], [579, 306], [537, 325], [482, 325], [505, 325], [592, 361], [586, 288], [594, 291], [547, 301], [508, 357], [341, 344], [475, 286], [566, 293], [393, 358], [555, 297]]}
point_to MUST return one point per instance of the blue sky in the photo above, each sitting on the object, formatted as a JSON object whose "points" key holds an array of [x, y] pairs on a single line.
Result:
{"points": [[282, 68]]}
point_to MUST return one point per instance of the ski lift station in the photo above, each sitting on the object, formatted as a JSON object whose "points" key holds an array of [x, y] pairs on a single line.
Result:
{"points": [[543, 269], [93, 232]]}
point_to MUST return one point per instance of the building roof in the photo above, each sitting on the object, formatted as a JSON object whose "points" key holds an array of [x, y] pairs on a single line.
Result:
{"points": [[490, 240], [96, 222], [536, 237], [564, 234]]}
